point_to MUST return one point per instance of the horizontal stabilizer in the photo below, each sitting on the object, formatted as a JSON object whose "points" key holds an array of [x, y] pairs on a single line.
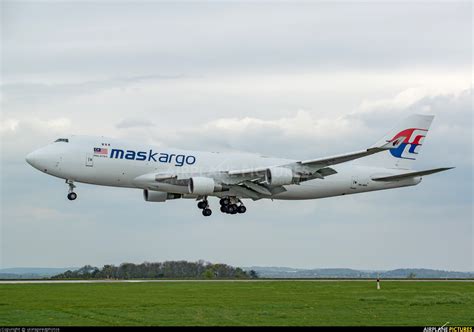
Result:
{"points": [[411, 174]]}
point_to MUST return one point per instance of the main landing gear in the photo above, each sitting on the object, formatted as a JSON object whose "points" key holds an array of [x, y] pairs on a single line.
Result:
{"points": [[232, 205], [229, 205], [71, 195], [204, 206]]}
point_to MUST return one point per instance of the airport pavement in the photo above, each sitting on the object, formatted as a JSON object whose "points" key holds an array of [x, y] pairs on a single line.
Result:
{"points": [[247, 280]]}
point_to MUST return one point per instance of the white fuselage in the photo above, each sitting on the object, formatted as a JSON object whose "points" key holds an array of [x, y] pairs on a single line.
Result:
{"points": [[123, 162]]}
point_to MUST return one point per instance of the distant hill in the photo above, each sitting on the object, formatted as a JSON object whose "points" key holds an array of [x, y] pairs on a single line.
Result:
{"points": [[31, 272], [271, 272], [288, 272]]}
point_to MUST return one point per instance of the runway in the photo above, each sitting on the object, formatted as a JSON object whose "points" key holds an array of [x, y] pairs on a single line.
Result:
{"points": [[8, 282]]}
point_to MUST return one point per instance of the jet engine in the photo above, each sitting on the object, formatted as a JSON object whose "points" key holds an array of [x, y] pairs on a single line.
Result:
{"points": [[158, 196], [279, 176], [199, 185]]}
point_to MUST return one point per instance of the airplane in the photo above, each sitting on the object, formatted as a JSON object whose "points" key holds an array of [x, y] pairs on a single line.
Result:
{"points": [[165, 174]]}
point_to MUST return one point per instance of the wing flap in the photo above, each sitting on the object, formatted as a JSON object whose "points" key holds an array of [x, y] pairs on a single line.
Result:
{"points": [[258, 188], [248, 172], [326, 171], [242, 191]]}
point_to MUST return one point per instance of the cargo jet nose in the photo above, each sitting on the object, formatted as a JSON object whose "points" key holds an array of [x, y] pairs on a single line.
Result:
{"points": [[42, 160], [34, 159]]}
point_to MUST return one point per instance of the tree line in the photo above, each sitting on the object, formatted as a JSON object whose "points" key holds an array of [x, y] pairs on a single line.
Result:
{"points": [[162, 270]]}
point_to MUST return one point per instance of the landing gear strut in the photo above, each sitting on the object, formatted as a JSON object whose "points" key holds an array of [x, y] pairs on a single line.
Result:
{"points": [[204, 206], [71, 195], [232, 205]]}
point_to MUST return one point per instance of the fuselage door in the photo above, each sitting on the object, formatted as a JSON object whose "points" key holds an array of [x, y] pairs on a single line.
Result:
{"points": [[359, 182], [354, 182], [89, 160]]}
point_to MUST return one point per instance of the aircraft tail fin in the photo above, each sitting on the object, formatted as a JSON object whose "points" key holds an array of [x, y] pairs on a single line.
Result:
{"points": [[412, 130]]}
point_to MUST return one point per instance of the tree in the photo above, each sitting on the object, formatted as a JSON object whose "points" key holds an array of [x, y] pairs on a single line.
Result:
{"points": [[209, 274], [169, 269]]}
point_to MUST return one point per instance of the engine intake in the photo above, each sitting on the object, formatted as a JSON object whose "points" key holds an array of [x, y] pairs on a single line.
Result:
{"points": [[199, 185], [158, 196], [279, 176]]}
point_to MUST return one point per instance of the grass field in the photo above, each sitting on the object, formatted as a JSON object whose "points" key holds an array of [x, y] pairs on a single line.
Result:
{"points": [[239, 303]]}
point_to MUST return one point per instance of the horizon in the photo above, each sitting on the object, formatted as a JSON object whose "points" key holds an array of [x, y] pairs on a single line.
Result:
{"points": [[254, 266]]}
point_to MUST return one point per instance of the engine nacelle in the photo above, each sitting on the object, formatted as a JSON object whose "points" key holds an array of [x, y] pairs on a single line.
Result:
{"points": [[158, 196], [279, 176], [200, 185]]}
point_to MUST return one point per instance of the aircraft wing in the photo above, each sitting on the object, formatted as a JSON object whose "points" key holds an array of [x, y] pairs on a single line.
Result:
{"points": [[342, 158], [253, 183], [316, 168]]}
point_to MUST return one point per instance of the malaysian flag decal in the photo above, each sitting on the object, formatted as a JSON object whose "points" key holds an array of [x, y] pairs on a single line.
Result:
{"points": [[101, 151]]}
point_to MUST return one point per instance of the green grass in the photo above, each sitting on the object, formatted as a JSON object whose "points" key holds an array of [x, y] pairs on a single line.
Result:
{"points": [[239, 303]]}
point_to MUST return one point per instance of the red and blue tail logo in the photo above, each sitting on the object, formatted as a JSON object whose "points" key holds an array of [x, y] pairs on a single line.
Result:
{"points": [[408, 149]]}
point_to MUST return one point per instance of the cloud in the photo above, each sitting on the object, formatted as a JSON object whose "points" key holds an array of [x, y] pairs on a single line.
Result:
{"points": [[40, 214], [8, 125], [134, 123], [301, 124], [173, 38], [295, 135], [32, 90], [307, 134], [59, 124], [409, 97], [295, 81], [18, 126]]}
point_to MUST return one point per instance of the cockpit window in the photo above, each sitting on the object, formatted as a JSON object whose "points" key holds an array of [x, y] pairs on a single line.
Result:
{"points": [[62, 140]]}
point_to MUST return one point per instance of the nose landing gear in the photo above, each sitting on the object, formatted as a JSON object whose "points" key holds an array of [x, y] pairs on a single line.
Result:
{"points": [[71, 195]]}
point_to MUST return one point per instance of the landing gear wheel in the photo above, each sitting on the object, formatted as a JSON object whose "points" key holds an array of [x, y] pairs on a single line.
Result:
{"points": [[241, 209], [224, 201], [233, 208], [206, 212], [224, 209], [71, 196], [202, 204]]}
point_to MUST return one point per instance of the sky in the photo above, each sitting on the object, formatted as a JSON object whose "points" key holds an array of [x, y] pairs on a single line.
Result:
{"points": [[294, 80]]}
